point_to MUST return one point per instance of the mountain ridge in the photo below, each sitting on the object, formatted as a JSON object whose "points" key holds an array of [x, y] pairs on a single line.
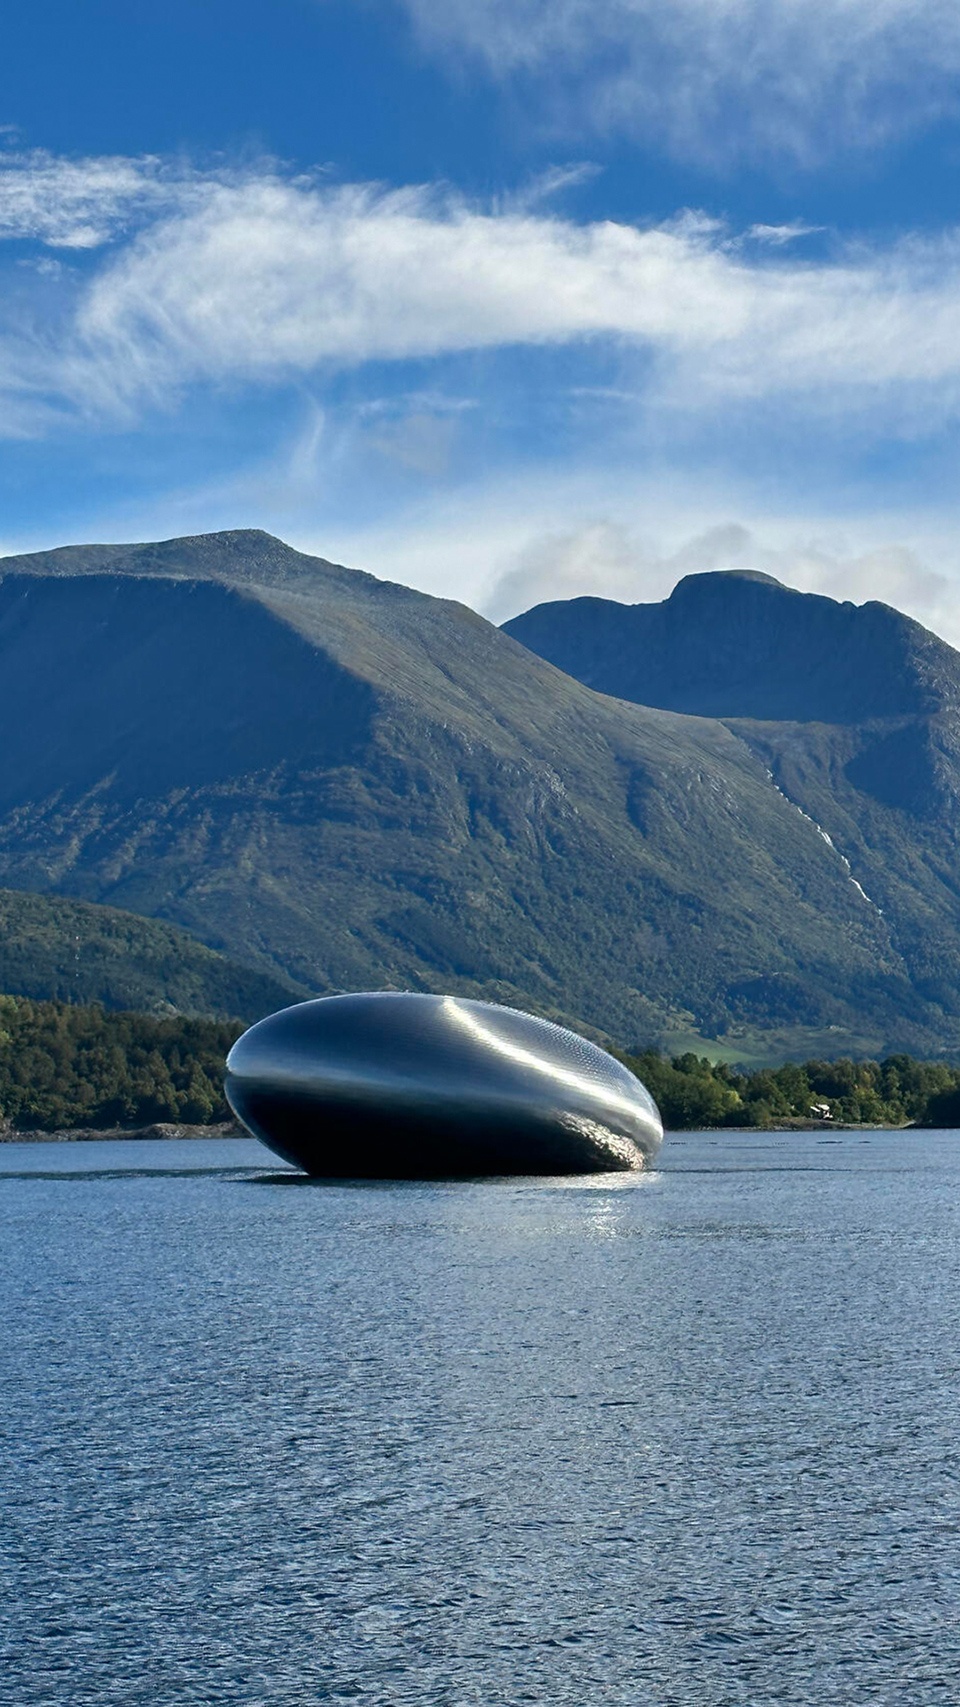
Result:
{"points": [[352, 785], [882, 780], [700, 651], [239, 555]]}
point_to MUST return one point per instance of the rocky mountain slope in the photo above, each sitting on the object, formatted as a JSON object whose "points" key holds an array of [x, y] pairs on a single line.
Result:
{"points": [[351, 785]]}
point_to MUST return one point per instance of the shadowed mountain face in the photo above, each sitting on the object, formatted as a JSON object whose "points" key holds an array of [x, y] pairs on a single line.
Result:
{"points": [[854, 711], [354, 786], [112, 669], [736, 644]]}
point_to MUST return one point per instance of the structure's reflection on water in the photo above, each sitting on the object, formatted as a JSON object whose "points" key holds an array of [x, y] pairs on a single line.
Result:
{"points": [[686, 1438], [513, 1182]]}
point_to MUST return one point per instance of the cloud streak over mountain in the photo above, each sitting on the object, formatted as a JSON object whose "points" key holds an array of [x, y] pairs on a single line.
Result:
{"points": [[256, 278], [478, 396]]}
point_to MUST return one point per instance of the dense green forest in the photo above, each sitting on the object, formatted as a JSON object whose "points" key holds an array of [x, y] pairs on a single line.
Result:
{"points": [[692, 1093], [63, 1065], [56, 948]]}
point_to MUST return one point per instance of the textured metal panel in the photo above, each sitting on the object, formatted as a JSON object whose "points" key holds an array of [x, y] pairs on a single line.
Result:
{"points": [[396, 1085]]}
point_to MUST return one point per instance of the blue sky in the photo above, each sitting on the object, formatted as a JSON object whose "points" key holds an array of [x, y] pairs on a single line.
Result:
{"points": [[507, 299]]}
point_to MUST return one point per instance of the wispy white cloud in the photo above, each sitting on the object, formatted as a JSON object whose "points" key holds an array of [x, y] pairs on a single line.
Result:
{"points": [[714, 78], [81, 204], [548, 184], [266, 279], [257, 278], [419, 440], [611, 560], [778, 235]]}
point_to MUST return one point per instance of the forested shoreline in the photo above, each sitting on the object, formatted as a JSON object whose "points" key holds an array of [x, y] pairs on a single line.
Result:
{"points": [[65, 1066], [693, 1093]]}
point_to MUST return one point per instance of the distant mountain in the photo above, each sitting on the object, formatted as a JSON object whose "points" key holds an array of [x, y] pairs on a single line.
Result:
{"points": [[51, 948], [855, 711], [351, 785], [735, 643]]}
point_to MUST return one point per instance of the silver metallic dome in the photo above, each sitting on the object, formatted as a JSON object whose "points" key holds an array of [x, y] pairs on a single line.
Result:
{"points": [[401, 1086]]}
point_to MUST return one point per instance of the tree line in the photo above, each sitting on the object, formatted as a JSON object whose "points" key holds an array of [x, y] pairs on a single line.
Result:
{"points": [[64, 1065], [692, 1093]]}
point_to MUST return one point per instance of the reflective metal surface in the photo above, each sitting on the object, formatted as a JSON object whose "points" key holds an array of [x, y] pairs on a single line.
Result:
{"points": [[406, 1086]]}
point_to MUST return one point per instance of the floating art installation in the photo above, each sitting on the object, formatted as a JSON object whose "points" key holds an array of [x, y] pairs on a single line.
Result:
{"points": [[408, 1086]]}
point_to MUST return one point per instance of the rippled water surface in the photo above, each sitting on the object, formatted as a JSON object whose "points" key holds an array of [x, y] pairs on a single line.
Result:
{"points": [[685, 1440]]}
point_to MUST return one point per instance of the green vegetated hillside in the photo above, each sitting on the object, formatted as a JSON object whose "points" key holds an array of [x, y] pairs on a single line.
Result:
{"points": [[78, 952], [351, 785], [65, 1065]]}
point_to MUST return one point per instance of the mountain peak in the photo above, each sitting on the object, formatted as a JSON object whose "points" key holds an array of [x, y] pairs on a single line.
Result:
{"points": [[739, 644], [705, 580], [238, 556]]}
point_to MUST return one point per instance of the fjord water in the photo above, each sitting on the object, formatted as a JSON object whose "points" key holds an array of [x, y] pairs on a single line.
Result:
{"points": [[684, 1439]]}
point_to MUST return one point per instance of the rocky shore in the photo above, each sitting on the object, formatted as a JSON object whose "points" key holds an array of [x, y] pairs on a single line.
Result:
{"points": [[87, 1134]]}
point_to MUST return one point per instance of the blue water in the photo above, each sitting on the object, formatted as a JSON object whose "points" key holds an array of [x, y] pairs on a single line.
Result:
{"points": [[690, 1439]]}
